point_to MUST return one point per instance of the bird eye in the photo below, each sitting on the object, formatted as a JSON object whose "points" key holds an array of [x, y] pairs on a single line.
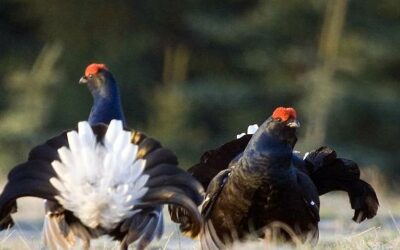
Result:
{"points": [[90, 76], [278, 119]]}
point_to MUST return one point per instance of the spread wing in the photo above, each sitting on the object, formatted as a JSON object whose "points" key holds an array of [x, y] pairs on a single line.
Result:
{"points": [[330, 173], [214, 161], [211, 164]]}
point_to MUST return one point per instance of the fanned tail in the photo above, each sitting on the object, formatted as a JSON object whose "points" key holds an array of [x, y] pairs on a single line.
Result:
{"points": [[32, 178], [28, 179], [167, 184], [130, 177]]}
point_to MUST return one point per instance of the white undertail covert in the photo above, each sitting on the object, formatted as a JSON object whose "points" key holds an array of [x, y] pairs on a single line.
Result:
{"points": [[100, 181]]}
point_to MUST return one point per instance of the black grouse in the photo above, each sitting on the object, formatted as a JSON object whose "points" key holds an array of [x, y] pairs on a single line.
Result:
{"points": [[261, 186], [95, 192], [327, 171]]}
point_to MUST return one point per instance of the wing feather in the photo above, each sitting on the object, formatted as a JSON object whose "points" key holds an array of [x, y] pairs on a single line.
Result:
{"points": [[330, 173]]}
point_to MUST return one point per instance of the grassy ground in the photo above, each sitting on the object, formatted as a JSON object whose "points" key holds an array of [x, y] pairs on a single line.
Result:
{"points": [[337, 230]]}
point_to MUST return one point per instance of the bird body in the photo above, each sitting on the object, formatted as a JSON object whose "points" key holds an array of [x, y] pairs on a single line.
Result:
{"points": [[320, 172], [261, 187]]}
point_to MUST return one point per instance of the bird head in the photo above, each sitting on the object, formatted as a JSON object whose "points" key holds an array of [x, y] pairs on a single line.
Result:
{"points": [[279, 127], [283, 123], [285, 117], [274, 139], [98, 79]]}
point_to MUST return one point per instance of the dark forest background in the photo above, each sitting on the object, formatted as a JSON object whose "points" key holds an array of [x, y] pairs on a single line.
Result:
{"points": [[194, 73]]}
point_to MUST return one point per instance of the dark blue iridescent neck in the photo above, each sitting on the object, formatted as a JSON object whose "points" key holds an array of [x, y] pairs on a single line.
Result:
{"points": [[107, 103], [267, 145]]}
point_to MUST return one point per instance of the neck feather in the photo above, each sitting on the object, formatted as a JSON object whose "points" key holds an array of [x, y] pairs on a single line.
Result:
{"points": [[267, 150], [106, 106]]}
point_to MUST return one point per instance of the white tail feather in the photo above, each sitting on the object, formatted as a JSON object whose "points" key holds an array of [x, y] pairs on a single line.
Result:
{"points": [[100, 182], [250, 130]]}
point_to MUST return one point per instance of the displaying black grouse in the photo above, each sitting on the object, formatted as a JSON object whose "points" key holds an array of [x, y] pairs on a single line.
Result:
{"points": [[261, 186], [326, 170], [102, 179]]}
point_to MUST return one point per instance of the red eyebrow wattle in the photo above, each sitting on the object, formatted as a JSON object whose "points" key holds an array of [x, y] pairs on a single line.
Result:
{"points": [[284, 113], [94, 68]]}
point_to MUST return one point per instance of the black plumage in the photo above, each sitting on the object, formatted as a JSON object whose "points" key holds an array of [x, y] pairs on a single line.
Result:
{"points": [[260, 187], [327, 172], [330, 173]]}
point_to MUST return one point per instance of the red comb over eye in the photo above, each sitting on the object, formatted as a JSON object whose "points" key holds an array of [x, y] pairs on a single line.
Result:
{"points": [[284, 113], [94, 68]]}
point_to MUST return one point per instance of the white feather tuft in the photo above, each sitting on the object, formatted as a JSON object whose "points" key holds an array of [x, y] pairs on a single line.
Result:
{"points": [[250, 130], [240, 135], [297, 153], [100, 182]]}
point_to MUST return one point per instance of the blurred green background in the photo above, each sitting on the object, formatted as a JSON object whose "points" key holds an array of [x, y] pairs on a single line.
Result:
{"points": [[194, 73]]}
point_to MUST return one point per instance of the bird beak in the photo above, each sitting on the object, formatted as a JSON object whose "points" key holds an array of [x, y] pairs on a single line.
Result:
{"points": [[83, 80], [293, 124]]}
